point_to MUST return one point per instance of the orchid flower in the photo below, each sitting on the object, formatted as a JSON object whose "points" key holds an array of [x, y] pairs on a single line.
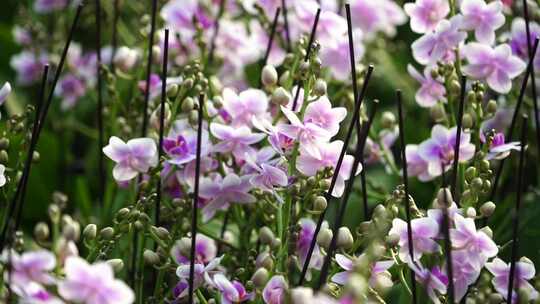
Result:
{"points": [[136, 156], [438, 151], [483, 18], [93, 284], [4, 92], [231, 292], [424, 230], [524, 271], [434, 281], [426, 14], [439, 44], [327, 156], [431, 90], [477, 244], [221, 192], [307, 133], [205, 251], [347, 264], [181, 143], [246, 106], [234, 140], [497, 66], [30, 267], [275, 291], [499, 149]]}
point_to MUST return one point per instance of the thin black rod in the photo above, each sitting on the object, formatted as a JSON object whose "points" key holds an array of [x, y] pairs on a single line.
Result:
{"points": [[447, 240], [162, 119], [60, 66], [328, 194], [216, 33], [195, 200], [453, 185], [406, 188], [514, 117], [43, 113], [533, 76], [346, 194], [309, 47], [271, 37], [114, 38], [21, 186], [101, 164], [286, 23], [515, 228], [149, 69], [355, 94]]}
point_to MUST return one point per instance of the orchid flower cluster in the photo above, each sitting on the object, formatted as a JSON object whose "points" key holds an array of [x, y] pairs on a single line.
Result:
{"points": [[233, 190]]}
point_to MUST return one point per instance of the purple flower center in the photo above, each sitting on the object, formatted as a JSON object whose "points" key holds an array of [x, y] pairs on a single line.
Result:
{"points": [[176, 147], [498, 140]]}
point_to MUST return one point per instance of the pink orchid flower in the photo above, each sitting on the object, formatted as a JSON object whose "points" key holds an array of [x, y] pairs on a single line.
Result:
{"points": [[424, 230], [524, 272], [242, 108], [483, 18], [426, 14], [234, 140], [431, 90], [439, 44], [497, 66], [221, 192], [275, 291], [136, 156], [93, 284], [327, 156]]}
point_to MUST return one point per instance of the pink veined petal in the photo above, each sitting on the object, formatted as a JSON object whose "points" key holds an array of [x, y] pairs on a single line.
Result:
{"points": [[116, 150], [293, 119], [440, 134], [422, 48], [123, 173], [308, 165], [211, 208], [414, 73], [226, 287], [344, 262], [429, 150], [525, 270], [382, 266], [489, 248], [499, 82], [425, 227], [278, 176], [221, 131], [340, 277], [497, 267]]}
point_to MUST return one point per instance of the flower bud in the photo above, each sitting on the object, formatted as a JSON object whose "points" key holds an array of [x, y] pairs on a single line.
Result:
{"points": [[345, 238], [156, 54], [495, 298], [218, 102], [437, 113], [4, 158], [265, 260], [155, 118], [324, 238], [487, 209], [150, 258], [35, 157], [188, 104], [260, 277], [320, 204], [4, 143], [266, 235], [125, 58], [467, 121], [470, 174], [491, 107], [284, 78], [444, 197], [280, 96], [122, 213], [116, 264], [60, 199], [184, 246], [276, 243], [193, 117], [471, 212], [487, 231], [161, 232], [320, 87], [54, 213], [41, 231], [388, 119], [269, 76], [107, 233], [90, 232], [392, 240]]}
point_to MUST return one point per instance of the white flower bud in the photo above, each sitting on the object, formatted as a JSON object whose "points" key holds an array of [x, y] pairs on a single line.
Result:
{"points": [[269, 76], [345, 238], [125, 58]]}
